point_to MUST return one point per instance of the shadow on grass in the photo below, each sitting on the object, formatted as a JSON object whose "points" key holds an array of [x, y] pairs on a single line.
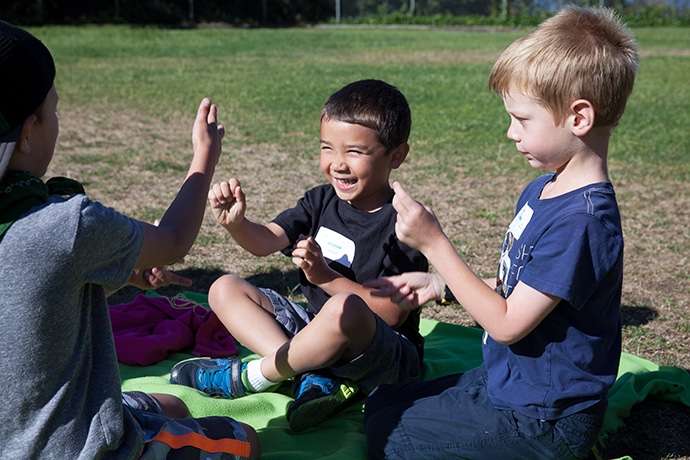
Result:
{"points": [[654, 430], [637, 315], [202, 278]]}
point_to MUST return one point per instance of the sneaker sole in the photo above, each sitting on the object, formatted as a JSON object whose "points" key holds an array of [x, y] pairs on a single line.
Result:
{"points": [[317, 410]]}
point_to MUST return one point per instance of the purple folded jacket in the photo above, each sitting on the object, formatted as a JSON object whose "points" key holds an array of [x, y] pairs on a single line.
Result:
{"points": [[148, 329]]}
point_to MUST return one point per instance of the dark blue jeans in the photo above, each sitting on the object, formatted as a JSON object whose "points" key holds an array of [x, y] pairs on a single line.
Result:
{"points": [[452, 417]]}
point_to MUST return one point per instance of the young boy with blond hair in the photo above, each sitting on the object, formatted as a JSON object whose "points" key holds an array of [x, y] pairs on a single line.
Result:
{"points": [[552, 338], [61, 253], [339, 235]]}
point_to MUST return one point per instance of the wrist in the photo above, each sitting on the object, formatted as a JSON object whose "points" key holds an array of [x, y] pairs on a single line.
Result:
{"points": [[436, 247], [203, 161], [327, 276], [236, 225]]}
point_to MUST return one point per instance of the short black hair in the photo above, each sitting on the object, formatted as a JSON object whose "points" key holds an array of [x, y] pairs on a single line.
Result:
{"points": [[26, 77], [374, 104]]}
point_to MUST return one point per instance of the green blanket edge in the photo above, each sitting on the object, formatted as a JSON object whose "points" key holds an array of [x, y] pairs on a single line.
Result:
{"points": [[449, 349]]}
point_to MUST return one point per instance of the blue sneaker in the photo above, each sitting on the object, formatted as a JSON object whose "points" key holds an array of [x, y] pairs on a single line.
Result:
{"points": [[317, 397], [215, 377]]}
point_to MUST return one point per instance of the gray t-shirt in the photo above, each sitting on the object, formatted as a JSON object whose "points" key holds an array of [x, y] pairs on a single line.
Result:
{"points": [[58, 369]]}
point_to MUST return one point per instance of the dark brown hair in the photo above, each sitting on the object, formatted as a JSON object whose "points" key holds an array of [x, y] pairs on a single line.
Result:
{"points": [[374, 104]]}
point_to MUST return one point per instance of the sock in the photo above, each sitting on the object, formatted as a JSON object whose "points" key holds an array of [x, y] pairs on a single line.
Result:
{"points": [[254, 379]]}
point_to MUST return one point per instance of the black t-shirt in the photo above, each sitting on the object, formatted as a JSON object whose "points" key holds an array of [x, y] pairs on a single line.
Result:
{"points": [[359, 245]]}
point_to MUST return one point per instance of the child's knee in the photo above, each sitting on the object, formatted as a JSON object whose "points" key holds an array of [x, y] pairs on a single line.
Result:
{"points": [[349, 314], [224, 288]]}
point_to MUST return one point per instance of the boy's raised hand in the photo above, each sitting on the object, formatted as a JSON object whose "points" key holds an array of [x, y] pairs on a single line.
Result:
{"points": [[307, 255], [416, 225], [228, 202], [207, 134]]}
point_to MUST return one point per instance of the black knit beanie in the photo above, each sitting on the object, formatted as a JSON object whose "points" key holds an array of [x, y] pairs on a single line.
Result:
{"points": [[27, 72]]}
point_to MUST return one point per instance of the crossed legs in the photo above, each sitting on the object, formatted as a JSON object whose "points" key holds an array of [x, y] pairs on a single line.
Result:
{"points": [[342, 330]]}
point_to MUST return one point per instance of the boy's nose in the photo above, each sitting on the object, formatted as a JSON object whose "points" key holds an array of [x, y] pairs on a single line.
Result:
{"points": [[339, 162], [339, 166], [512, 134]]}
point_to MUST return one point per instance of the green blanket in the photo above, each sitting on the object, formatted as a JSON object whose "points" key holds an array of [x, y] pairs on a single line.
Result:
{"points": [[448, 349]]}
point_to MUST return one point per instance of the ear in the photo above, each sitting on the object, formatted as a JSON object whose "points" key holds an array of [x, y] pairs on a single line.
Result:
{"points": [[399, 154], [24, 141], [581, 119]]}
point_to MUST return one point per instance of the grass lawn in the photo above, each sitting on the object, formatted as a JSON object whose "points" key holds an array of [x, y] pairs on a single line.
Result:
{"points": [[128, 97]]}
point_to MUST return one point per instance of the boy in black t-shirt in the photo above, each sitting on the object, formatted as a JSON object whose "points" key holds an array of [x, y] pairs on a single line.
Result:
{"points": [[339, 235]]}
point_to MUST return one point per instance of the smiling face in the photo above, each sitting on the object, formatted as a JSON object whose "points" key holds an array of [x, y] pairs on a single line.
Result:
{"points": [[356, 164], [544, 144]]}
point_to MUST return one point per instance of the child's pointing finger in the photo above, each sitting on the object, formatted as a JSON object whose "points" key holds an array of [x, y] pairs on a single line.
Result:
{"points": [[401, 201]]}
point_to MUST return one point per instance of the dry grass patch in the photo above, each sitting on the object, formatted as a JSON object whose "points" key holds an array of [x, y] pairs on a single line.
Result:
{"points": [[136, 165]]}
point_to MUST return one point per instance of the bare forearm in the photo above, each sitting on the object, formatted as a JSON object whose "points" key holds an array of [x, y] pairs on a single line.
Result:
{"points": [[184, 215], [172, 238], [259, 239], [475, 295], [390, 312]]}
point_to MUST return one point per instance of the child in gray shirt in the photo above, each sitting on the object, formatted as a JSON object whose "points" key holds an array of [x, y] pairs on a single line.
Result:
{"points": [[60, 253]]}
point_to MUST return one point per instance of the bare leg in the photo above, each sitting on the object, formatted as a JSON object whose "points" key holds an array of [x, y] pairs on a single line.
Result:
{"points": [[247, 314], [343, 328], [172, 406]]}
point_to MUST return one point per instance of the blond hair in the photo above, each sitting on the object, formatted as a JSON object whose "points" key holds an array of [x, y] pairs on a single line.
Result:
{"points": [[580, 53]]}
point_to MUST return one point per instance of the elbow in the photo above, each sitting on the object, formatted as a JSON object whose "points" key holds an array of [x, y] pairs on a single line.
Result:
{"points": [[171, 244], [180, 249], [507, 341], [396, 317], [506, 337]]}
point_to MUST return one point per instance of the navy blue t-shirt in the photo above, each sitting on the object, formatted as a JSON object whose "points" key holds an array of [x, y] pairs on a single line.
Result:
{"points": [[360, 245], [571, 247]]}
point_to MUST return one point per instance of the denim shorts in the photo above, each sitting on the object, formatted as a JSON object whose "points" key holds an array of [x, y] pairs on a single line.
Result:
{"points": [[389, 358], [187, 438], [452, 417]]}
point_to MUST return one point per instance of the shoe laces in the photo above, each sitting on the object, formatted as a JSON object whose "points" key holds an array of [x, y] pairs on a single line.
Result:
{"points": [[214, 380], [325, 385]]}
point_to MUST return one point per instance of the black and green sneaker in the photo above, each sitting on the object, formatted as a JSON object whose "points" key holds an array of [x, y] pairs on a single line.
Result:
{"points": [[317, 397]]}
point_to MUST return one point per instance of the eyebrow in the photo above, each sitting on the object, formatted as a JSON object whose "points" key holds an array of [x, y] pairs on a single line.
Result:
{"points": [[351, 146], [517, 114]]}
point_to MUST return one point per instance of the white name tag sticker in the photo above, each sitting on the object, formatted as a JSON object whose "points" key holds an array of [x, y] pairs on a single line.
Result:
{"points": [[335, 246], [517, 226]]}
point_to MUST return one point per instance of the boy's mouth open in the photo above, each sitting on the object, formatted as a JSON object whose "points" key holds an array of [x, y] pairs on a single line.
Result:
{"points": [[344, 184]]}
